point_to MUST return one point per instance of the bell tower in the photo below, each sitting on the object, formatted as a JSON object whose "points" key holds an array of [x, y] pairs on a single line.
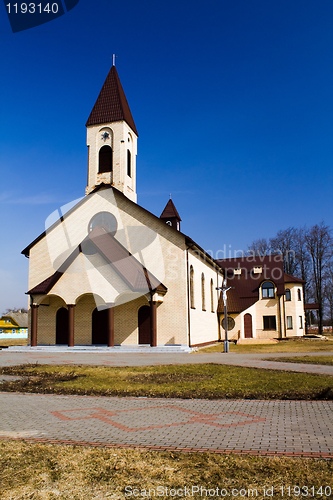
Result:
{"points": [[170, 215], [112, 140]]}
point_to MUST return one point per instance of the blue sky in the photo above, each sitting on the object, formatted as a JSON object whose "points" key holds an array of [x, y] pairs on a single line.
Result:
{"points": [[232, 100]]}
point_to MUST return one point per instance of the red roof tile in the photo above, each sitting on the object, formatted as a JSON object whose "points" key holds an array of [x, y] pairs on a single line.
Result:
{"points": [[170, 211], [292, 279], [111, 104], [246, 286], [45, 286]]}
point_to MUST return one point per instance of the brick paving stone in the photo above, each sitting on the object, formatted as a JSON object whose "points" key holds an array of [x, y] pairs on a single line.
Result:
{"points": [[259, 427]]}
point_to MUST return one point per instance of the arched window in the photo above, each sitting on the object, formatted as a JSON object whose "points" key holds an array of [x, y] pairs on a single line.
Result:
{"points": [[203, 298], [105, 160], [299, 294], [129, 163], [288, 294], [212, 295], [192, 287], [267, 290]]}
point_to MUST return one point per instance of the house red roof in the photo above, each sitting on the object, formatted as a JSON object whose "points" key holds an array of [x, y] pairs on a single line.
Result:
{"points": [[170, 211], [111, 104], [292, 279], [245, 291]]}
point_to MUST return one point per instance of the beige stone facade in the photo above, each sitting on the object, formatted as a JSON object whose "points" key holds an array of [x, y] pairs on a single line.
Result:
{"points": [[121, 139]]}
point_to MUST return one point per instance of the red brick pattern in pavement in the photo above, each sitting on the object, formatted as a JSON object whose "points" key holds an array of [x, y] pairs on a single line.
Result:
{"points": [[110, 417], [291, 428]]}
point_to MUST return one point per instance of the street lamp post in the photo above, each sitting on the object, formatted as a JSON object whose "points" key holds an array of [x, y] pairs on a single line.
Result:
{"points": [[224, 290]]}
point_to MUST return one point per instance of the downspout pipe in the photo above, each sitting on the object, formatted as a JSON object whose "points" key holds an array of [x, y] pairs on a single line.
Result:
{"points": [[188, 299]]}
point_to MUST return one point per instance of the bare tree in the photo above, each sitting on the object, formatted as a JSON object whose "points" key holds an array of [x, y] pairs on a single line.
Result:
{"points": [[15, 310], [284, 244], [318, 241], [303, 261], [328, 292], [259, 247]]}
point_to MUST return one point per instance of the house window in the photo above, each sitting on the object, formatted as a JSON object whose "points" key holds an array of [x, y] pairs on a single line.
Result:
{"points": [[129, 164], [268, 290], [288, 294], [269, 322], [300, 321], [299, 295], [212, 295], [203, 297], [192, 287], [105, 160], [289, 322]]}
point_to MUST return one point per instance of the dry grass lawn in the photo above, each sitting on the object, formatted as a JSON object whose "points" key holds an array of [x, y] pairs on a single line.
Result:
{"points": [[201, 381], [49, 472], [10, 342], [291, 345], [314, 360]]}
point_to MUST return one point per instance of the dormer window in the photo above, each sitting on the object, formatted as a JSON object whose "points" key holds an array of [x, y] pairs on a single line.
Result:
{"points": [[267, 289]]}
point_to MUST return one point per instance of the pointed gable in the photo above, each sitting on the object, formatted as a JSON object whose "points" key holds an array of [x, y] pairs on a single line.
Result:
{"points": [[111, 105], [170, 211], [132, 272]]}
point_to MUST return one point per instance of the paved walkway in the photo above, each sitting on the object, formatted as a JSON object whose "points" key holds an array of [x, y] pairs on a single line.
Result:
{"points": [[293, 428], [8, 358]]}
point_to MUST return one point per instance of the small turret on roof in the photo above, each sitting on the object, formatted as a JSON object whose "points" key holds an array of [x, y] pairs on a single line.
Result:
{"points": [[171, 216], [111, 105]]}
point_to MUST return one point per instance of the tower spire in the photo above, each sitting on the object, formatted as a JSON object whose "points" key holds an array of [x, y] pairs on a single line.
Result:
{"points": [[170, 215], [112, 139]]}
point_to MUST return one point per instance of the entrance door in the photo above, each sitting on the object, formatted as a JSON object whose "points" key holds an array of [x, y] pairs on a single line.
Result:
{"points": [[248, 326], [62, 326], [99, 332], [144, 325]]}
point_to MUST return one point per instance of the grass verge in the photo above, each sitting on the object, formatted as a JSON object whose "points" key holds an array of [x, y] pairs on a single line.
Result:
{"points": [[290, 345], [309, 360], [204, 381], [10, 342], [48, 472]]}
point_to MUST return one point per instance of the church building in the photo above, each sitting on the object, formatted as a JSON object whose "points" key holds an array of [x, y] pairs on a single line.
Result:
{"points": [[109, 273]]}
